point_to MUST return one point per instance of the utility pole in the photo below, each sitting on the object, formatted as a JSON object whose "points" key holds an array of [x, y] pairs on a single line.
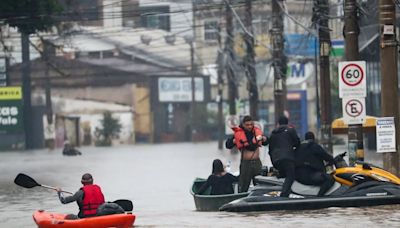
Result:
{"points": [[320, 18], [8, 80], [49, 109], [351, 32], [250, 61], [232, 89], [220, 86], [279, 59], [193, 72], [26, 90], [45, 55], [193, 84], [389, 82]]}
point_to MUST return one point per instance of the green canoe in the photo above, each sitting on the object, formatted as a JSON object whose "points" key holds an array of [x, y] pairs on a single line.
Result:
{"points": [[207, 202]]}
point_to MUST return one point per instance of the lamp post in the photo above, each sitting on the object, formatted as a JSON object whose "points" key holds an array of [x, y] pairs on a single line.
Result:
{"points": [[189, 40]]}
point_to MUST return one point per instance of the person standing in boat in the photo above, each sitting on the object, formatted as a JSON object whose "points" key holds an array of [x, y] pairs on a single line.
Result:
{"points": [[310, 166], [89, 197], [221, 182], [282, 144], [248, 139]]}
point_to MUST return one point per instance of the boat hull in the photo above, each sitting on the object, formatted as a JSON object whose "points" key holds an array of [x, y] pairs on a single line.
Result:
{"points": [[366, 194], [265, 203], [53, 220], [209, 202]]}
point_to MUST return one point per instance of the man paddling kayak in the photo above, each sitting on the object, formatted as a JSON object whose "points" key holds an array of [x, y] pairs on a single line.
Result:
{"points": [[89, 197]]}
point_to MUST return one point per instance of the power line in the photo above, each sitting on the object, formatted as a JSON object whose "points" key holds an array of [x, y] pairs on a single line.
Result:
{"points": [[135, 14]]}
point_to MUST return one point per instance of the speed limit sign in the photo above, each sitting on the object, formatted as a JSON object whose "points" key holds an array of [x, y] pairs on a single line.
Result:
{"points": [[352, 79]]}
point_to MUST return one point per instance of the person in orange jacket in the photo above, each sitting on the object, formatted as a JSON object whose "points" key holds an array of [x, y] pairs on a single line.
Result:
{"points": [[248, 139]]}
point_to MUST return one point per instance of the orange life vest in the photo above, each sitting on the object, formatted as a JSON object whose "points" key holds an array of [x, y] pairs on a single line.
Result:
{"points": [[92, 199], [241, 139]]}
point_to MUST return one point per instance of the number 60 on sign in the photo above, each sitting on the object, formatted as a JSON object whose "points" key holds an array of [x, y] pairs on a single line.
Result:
{"points": [[352, 79]]}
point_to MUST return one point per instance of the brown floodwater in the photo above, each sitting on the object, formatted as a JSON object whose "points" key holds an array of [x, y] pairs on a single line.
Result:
{"points": [[157, 178]]}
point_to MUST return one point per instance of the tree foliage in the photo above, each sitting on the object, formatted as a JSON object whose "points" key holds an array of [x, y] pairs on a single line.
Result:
{"points": [[110, 128], [30, 16], [204, 120]]}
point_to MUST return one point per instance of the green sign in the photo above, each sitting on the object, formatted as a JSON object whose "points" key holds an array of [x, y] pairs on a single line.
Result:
{"points": [[11, 115], [337, 49]]}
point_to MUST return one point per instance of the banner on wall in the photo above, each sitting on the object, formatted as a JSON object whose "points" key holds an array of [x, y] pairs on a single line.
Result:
{"points": [[11, 114]]}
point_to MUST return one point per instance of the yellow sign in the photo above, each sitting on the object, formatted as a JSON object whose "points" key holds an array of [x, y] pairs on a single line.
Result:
{"points": [[10, 93], [262, 46]]}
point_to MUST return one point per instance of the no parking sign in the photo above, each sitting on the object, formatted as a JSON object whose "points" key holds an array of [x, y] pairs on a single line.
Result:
{"points": [[352, 79], [353, 110]]}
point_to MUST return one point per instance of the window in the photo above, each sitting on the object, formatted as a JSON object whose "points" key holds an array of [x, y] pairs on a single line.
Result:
{"points": [[155, 17], [211, 30]]}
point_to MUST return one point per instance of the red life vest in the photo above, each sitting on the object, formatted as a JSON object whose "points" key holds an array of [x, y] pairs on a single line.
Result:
{"points": [[92, 199], [241, 139]]}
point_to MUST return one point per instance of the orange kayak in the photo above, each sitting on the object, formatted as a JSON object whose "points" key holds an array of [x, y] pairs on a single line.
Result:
{"points": [[46, 219]]}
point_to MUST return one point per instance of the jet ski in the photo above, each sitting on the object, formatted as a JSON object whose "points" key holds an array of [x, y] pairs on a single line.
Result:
{"points": [[359, 189], [344, 174], [266, 198]]}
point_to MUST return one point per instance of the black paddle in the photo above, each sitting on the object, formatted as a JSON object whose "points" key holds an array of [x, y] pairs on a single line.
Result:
{"points": [[124, 204], [26, 181]]}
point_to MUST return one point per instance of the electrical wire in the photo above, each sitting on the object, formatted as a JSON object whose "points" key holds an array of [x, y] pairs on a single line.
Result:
{"points": [[209, 7]]}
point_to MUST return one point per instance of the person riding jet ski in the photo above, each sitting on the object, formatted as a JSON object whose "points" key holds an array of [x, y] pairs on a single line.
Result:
{"points": [[310, 166]]}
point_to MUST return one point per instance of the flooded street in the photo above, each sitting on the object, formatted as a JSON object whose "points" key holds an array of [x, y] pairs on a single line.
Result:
{"points": [[157, 178]]}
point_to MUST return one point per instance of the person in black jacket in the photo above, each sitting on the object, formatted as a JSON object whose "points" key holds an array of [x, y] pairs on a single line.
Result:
{"points": [[220, 181], [310, 166], [282, 143]]}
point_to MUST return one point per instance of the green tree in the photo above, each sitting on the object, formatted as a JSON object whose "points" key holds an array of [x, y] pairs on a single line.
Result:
{"points": [[29, 16], [110, 128], [205, 122]]}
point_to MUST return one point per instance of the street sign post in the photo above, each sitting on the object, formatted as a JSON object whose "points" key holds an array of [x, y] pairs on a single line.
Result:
{"points": [[353, 110], [352, 79]]}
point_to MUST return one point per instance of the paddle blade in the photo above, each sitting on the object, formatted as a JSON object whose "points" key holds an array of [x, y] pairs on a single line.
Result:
{"points": [[25, 181], [125, 204]]}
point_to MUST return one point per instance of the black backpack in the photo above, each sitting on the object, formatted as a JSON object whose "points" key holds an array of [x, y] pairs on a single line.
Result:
{"points": [[109, 209]]}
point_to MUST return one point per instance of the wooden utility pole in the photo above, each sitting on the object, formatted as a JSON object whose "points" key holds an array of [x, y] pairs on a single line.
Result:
{"points": [[46, 59], [193, 85], [250, 61], [389, 82], [232, 89], [351, 32], [220, 71], [50, 143], [26, 91], [320, 17], [193, 71], [279, 59], [8, 80]]}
